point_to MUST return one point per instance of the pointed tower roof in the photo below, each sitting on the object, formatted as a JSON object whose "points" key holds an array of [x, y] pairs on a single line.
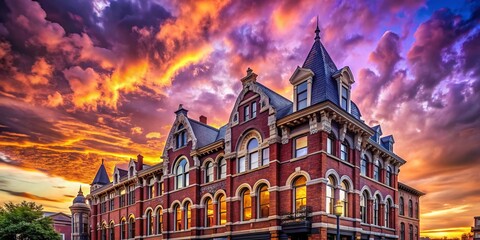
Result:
{"points": [[324, 87], [80, 198], [102, 176]]}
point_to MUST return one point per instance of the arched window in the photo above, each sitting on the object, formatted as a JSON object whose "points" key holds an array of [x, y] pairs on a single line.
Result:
{"points": [[376, 170], [344, 151], [388, 221], [402, 231], [178, 217], [330, 145], [299, 193], [159, 221], [364, 165], [188, 215], [112, 230], [246, 205], [330, 194], [388, 177], [209, 172], [222, 210], [104, 231], [376, 210], [252, 149], [364, 206], [131, 227], [222, 173], [410, 208], [410, 234], [181, 172], [149, 223], [263, 202], [344, 197], [402, 206], [416, 210], [181, 136], [123, 230], [208, 212]]}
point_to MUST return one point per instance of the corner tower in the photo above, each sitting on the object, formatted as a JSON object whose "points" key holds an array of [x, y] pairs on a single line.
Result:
{"points": [[80, 217]]}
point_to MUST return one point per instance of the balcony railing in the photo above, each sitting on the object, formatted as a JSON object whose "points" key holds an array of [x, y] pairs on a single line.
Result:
{"points": [[297, 222]]}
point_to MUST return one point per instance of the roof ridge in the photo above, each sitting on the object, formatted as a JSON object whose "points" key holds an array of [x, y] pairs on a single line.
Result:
{"points": [[203, 124]]}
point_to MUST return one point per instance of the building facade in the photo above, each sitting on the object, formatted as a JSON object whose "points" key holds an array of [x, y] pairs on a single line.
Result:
{"points": [[409, 212], [476, 228], [61, 224], [275, 170]]}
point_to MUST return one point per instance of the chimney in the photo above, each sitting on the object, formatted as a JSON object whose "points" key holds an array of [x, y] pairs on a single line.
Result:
{"points": [[203, 119], [139, 164]]}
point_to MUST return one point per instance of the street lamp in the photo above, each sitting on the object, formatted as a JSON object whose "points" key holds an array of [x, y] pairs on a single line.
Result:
{"points": [[338, 210]]}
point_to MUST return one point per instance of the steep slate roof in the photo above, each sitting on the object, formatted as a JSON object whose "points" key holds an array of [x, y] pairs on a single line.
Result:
{"points": [[384, 141], [221, 132], [102, 176], [282, 105], [324, 86], [204, 133]]}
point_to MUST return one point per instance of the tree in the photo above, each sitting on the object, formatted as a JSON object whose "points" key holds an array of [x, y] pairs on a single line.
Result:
{"points": [[25, 221]]}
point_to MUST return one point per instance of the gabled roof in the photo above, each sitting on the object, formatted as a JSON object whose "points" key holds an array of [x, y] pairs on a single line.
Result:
{"points": [[282, 105], [204, 133], [102, 176]]}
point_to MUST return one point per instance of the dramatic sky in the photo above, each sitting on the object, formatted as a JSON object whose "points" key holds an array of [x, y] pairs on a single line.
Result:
{"points": [[81, 81]]}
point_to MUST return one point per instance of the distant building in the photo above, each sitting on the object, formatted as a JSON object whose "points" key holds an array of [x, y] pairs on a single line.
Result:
{"points": [[476, 228], [409, 212], [80, 218], [275, 170], [61, 223]]}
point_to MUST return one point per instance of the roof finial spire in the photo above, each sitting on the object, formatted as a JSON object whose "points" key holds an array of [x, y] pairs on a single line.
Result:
{"points": [[80, 190], [102, 161], [317, 31]]}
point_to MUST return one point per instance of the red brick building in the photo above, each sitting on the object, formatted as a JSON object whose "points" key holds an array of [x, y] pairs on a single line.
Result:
{"points": [[273, 171], [61, 224], [476, 228], [409, 212]]}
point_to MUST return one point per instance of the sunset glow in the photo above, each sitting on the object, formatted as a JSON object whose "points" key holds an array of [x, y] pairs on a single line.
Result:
{"points": [[83, 81]]}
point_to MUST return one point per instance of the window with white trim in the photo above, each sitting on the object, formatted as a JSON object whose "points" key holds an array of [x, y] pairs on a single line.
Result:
{"points": [[344, 100], [301, 95], [181, 174], [301, 146]]}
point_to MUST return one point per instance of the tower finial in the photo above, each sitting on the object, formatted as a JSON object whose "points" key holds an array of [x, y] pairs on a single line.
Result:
{"points": [[102, 161], [317, 31], [80, 190]]}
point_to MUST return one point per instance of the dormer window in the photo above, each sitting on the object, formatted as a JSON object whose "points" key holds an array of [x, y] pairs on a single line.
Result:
{"points": [[181, 136], [301, 96], [345, 98]]}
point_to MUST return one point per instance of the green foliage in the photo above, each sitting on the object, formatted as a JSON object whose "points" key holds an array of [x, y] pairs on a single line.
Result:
{"points": [[25, 221]]}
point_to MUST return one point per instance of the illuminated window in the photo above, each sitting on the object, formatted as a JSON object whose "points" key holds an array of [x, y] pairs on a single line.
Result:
{"points": [[222, 168], [246, 205], [178, 217], [264, 201], [181, 172], [208, 212], [301, 96], [222, 210], [151, 188], [209, 172], [160, 221], [301, 146], [149, 221], [188, 215], [299, 193], [330, 195], [344, 197]]}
